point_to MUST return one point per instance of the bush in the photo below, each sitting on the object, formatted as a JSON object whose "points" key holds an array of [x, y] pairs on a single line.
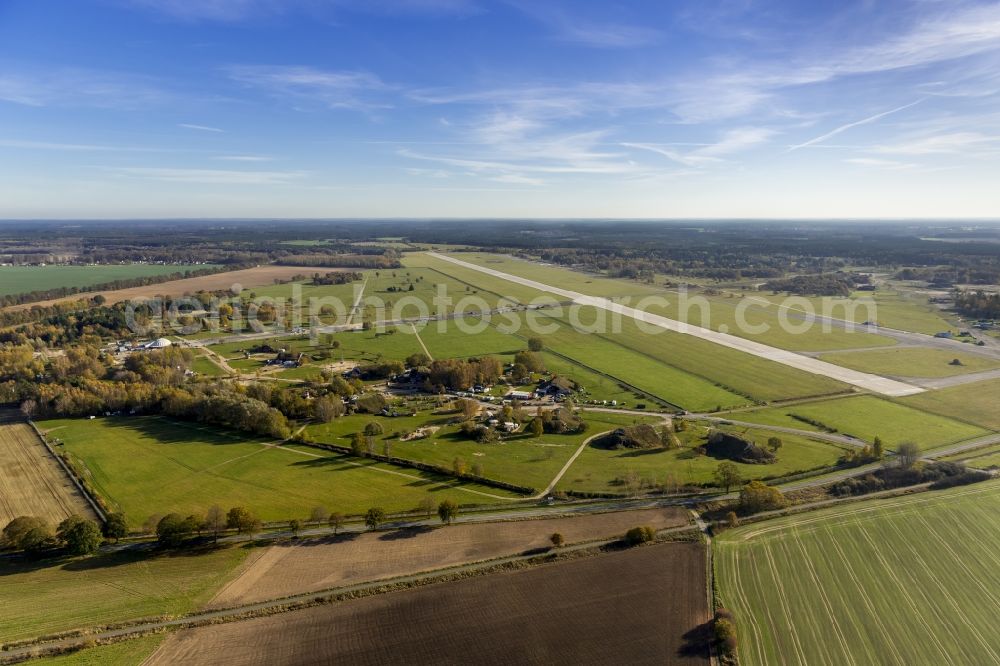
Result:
{"points": [[371, 403], [173, 529], [79, 535], [939, 474], [115, 527], [640, 535], [758, 496], [373, 428], [725, 635], [28, 533]]}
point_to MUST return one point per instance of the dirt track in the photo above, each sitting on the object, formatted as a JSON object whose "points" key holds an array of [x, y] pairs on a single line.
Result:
{"points": [[250, 277], [318, 564], [640, 606], [31, 482]]}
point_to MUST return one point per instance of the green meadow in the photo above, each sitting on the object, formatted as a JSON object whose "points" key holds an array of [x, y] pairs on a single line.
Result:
{"points": [[903, 581]]}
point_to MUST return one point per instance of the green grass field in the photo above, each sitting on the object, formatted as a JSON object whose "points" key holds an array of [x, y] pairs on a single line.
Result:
{"points": [[982, 458], [148, 465], [912, 362], [867, 416], [127, 653], [206, 367], [491, 289], [742, 373], [48, 597], [521, 459], [600, 470], [890, 307], [906, 581], [749, 315], [564, 278], [23, 279], [605, 354], [977, 402]]}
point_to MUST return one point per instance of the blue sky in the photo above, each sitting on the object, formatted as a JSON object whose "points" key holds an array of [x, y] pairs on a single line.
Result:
{"points": [[477, 108]]}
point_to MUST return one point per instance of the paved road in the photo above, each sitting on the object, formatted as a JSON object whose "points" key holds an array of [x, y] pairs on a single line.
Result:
{"points": [[814, 366], [945, 382]]}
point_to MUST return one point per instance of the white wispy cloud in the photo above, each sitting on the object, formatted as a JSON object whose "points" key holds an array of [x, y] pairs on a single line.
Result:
{"points": [[857, 123], [231, 11], [571, 26], [336, 89], [36, 86], [731, 142], [892, 165], [516, 179], [244, 158], [214, 10], [965, 143], [208, 176], [200, 128], [83, 147], [736, 88], [51, 145]]}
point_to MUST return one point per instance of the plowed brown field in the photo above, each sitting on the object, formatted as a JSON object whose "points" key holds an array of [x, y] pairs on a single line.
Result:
{"points": [[31, 482], [643, 606], [317, 564]]}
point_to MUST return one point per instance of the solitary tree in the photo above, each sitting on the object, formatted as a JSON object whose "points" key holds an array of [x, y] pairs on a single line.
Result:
{"points": [[727, 475], [374, 517], [537, 427], [243, 521], [115, 527], [319, 515], [336, 521], [907, 454], [79, 535], [426, 506], [774, 443], [725, 635], [732, 519], [469, 408], [373, 428], [215, 521], [878, 449], [638, 535], [557, 540], [758, 496], [447, 511], [536, 344], [358, 441], [295, 526]]}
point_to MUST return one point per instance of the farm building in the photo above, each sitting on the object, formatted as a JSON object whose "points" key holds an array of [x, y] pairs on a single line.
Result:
{"points": [[159, 343], [557, 387]]}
